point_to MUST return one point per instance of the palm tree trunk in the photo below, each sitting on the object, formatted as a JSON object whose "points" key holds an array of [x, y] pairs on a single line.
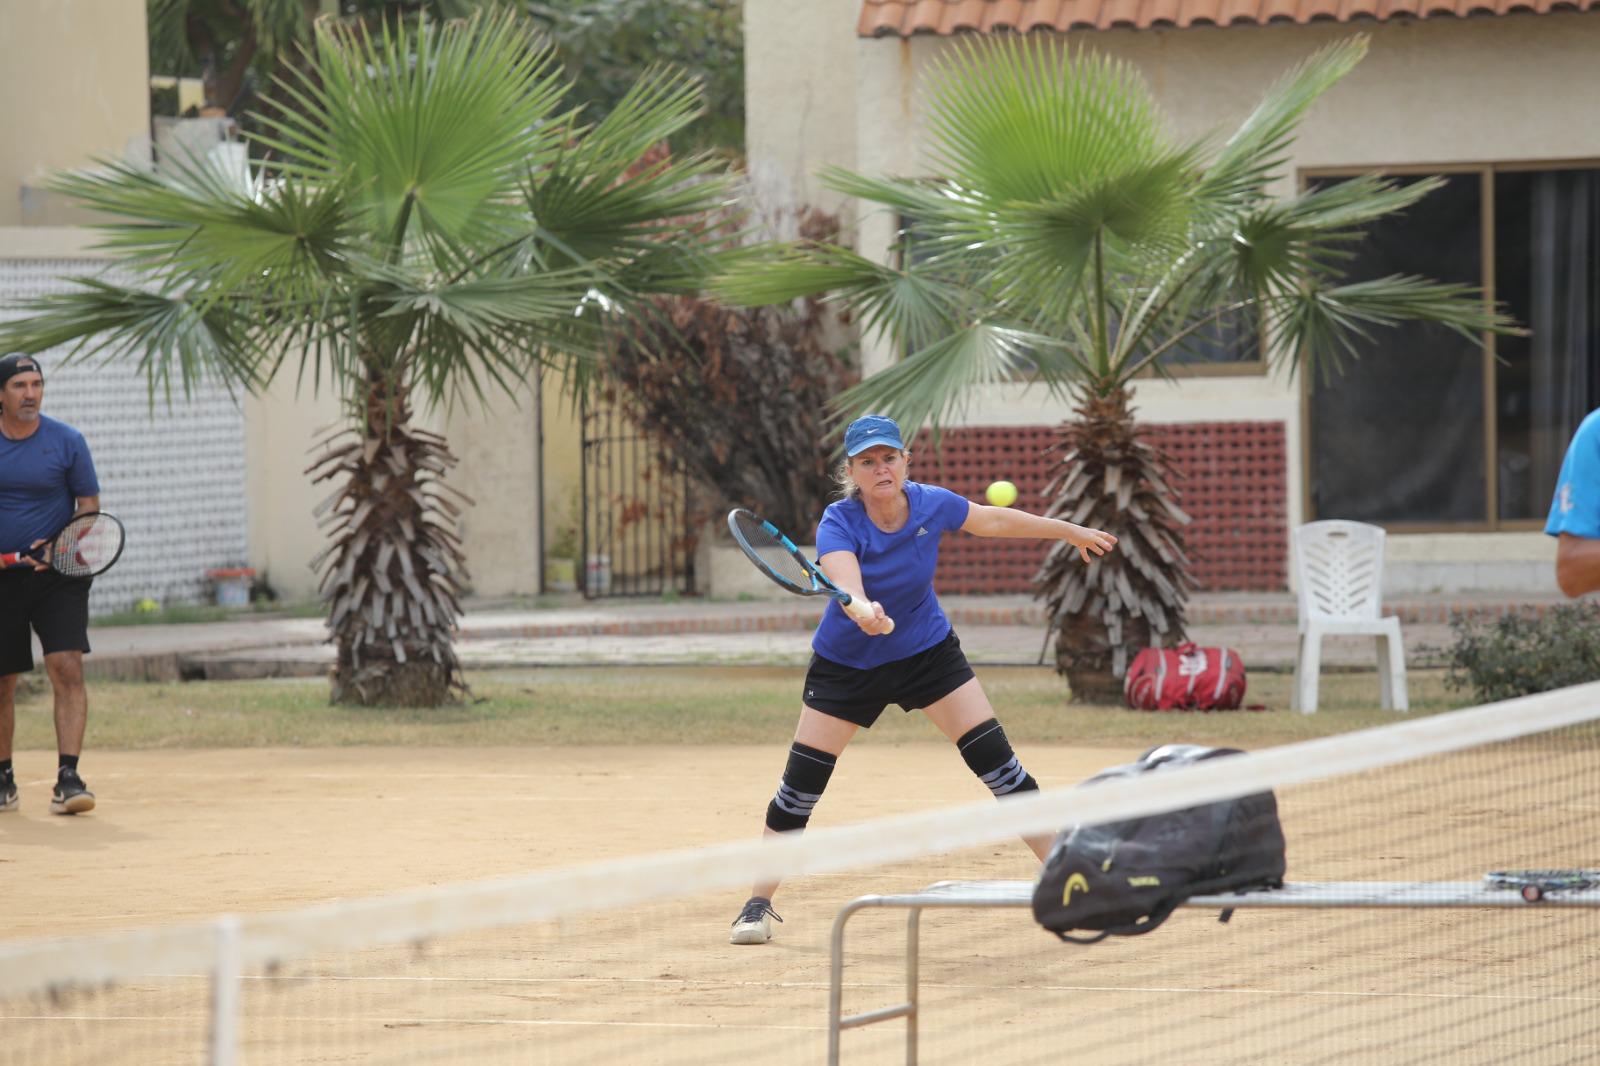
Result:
{"points": [[1111, 478], [394, 573]]}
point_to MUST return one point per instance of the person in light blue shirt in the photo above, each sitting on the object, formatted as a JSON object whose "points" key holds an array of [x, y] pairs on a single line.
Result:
{"points": [[880, 543], [1575, 511]]}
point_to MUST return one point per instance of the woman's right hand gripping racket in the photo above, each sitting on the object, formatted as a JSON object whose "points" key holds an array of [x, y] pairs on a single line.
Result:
{"points": [[87, 545], [776, 556]]}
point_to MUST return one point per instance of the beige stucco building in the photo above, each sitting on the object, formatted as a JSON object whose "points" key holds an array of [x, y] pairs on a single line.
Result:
{"points": [[1489, 99], [1486, 99]]}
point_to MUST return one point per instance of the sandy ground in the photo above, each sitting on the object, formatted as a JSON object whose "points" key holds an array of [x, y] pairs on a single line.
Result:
{"points": [[185, 835]]}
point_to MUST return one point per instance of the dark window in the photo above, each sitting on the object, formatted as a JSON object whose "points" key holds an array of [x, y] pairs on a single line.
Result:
{"points": [[1402, 436], [1399, 435], [1547, 272]]}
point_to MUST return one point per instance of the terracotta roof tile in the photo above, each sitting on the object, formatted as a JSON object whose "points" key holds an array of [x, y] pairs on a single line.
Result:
{"points": [[904, 18]]}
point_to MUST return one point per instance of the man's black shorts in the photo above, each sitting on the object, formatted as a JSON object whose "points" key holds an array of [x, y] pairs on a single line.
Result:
{"points": [[53, 605], [916, 681]]}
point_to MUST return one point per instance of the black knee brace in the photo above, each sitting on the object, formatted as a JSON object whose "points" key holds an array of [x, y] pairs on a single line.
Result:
{"points": [[988, 754], [804, 778]]}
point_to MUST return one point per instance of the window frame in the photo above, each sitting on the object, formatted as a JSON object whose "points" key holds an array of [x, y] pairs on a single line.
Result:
{"points": [[1486, 171]]}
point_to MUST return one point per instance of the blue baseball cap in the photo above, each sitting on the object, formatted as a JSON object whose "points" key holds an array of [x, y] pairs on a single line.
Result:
{"points": [[870, 431]]}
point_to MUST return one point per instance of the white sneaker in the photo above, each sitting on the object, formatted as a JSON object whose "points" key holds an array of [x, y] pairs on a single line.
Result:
{"points": [[754, 924]]}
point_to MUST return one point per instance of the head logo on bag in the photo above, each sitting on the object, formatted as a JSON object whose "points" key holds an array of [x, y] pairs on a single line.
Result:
{"points": [[1076, 881]]}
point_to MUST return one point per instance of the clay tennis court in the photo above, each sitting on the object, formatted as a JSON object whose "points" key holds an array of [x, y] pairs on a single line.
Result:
{"points": [[181, 836]]}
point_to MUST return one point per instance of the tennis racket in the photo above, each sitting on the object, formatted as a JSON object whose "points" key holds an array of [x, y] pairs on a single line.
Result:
{"points": [[776, 556], [87, 545], [1534, 885]]}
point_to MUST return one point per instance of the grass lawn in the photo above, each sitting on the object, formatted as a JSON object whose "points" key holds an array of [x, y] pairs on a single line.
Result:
{"points": [[668, 705]]}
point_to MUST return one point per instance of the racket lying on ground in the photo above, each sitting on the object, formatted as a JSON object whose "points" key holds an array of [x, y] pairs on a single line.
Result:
{"points": [[1534, 885], [776, 556], [87, 545]]}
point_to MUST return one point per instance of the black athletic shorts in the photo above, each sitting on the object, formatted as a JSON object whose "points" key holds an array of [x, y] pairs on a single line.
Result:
{"points": [[53, 605], [914, 682]]}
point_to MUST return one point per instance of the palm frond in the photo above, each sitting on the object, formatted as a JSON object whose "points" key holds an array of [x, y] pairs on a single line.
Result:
{"points": [[1274, 245], [584, 216], [931, 387], [1050, 242], [439, 121], [1319, 326], [162, 332], [659, 104], [677, 268], [284, 239], [911, 305], [917, 199], [1028, 119], [1258, 150]]}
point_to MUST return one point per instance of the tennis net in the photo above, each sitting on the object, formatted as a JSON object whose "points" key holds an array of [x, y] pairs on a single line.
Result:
{"points": [[626, 961]]}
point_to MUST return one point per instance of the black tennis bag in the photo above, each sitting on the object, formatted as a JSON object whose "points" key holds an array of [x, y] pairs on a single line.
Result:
{"points": [[1126, 878]]}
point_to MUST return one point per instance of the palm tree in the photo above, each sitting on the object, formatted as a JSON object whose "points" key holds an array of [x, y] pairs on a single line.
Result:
{"points": [[1067, 238], [434, 222]]}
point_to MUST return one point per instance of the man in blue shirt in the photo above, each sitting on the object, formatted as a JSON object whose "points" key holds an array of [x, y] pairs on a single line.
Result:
{"points": [[880, 543], [1575, 512], [46, 476]]}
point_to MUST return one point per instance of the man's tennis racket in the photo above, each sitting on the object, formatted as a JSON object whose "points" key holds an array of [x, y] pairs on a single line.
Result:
{"points": [[87, 545], [776, 556]]}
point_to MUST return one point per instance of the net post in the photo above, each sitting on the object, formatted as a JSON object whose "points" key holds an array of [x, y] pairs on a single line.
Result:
{"points": [[225, 979], [913, 978]]}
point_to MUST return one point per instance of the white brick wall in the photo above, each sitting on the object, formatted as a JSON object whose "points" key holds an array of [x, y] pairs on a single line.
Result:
{"points": [[174, 475]]}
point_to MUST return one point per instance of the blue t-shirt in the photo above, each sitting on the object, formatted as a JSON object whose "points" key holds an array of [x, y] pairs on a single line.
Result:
{"points": [[896, 570], [1576, 507], [41, 478]]}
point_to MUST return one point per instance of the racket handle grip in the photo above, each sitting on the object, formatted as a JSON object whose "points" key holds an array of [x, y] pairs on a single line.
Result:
{"points": [[861, 610], [10, 559]]}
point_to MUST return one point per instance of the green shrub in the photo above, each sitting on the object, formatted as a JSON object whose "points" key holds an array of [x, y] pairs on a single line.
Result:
{"points": [[1526, 652]]}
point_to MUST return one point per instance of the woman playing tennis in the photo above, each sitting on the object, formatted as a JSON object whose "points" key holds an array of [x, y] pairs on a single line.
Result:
{"points": [[881, 544]]}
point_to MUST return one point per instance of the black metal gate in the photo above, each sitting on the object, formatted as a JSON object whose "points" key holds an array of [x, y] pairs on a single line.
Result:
{"points": [[637, 532]]}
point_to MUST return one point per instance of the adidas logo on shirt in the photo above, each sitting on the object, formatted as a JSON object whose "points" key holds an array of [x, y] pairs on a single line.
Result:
{"points": [[922, 531]]}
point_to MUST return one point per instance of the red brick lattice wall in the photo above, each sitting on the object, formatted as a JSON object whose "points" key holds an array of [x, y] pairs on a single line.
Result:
{"points": [[1234, 485]]}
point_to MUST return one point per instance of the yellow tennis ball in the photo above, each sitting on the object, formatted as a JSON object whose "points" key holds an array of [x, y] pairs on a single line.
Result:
{"points": [[1001, 494]]}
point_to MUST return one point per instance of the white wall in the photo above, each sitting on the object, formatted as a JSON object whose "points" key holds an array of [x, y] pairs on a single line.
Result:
{"points": [[174, 472]]}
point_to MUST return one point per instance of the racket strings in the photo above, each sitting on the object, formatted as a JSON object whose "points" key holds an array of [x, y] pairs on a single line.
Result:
{"points": [[771, 551], [84, 546]]}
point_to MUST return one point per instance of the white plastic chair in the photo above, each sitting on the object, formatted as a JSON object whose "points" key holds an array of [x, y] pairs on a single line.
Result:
{"points": [[1339, 572]]}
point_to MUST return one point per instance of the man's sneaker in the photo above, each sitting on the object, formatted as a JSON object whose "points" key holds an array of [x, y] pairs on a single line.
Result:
{"points": [[9, 801], [754, 924], [71, 796]]}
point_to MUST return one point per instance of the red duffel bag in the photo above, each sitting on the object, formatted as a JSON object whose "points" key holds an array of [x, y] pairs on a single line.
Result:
{"points": [[1186, 678]]}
